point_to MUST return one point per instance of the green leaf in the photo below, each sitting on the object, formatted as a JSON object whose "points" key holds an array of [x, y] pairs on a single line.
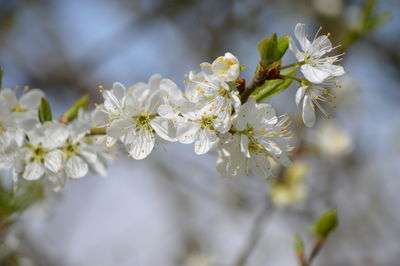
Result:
{"points": [[283, 44], [325, 224], [272, 87], [73, 111], [269, 51], [273, 49], [44, 111]]}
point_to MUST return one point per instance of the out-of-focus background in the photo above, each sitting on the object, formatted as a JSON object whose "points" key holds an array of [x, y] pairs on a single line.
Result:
{"points": [[172, 208]]}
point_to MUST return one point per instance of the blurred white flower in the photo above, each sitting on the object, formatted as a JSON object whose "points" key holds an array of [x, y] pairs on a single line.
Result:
{"points": [[316, 67], [81, 152], [332, 139], [257, 137], [19, 115], [290, 189], [197, 259], [330, 8], [41, 156]]}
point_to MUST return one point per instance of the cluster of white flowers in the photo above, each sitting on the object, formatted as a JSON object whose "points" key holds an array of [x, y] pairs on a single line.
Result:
{"points": [[50, 151], [210, 113], [319, 71]]}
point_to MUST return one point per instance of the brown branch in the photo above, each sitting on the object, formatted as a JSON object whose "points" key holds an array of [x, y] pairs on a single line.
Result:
{"points": [[254, 235]]}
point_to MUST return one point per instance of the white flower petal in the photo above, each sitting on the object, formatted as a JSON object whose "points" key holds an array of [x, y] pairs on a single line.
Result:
{"points": [[164, 128], [206, 140], [31, 99], [308, 111], [295, 50], [120, 127], [187, 131], [53, 160], [100, 118], [33, 171], [142, 144], [260, 165], [244, 145], [9, 97], [76, 167], [300, 94], [119, 90], [314, 74], [300, 34]]}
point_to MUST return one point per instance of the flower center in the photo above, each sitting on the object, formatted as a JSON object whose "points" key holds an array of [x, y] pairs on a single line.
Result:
{"points": [[207, 122], [309, 60], [143, 120], [223, 92], [38, 153], [71, 148], [18, 108]]}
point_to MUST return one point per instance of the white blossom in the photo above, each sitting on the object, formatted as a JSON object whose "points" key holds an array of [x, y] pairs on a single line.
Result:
{"points": [[312, 95], [21, 114], [258, 136], [202, 127], [226, 67], [41, 156], [207, 89], [316, 65], [131, 115], [82, 152]]}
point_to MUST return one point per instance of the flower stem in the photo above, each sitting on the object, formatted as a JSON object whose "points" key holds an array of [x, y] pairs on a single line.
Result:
{"points": [[298, 64], [249, 90], [291, 77], [254, 235], [315, 251]]}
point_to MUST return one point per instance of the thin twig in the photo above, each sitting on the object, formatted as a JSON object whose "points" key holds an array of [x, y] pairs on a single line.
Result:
{"points": [[254, 235], [314, 252]]}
